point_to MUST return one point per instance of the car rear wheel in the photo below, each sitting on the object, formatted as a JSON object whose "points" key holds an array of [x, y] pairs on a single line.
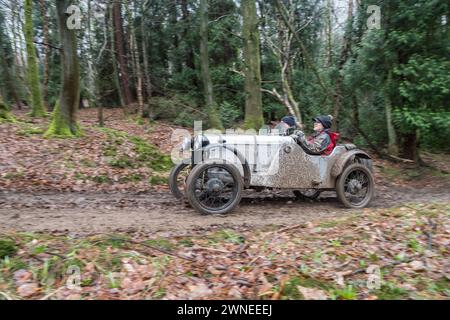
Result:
{"points": [[177, 178], [355, 186], [214, 188]]}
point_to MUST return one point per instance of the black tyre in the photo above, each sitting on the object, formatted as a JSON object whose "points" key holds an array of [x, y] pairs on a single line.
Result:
{"points": [[177, 178], [355, 186], [214, 188], [310, 194]]}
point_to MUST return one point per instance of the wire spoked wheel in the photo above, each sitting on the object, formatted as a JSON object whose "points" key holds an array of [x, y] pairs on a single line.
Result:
{"points": [[177, 178], [355, 186], [214, 188], [309, 194]]}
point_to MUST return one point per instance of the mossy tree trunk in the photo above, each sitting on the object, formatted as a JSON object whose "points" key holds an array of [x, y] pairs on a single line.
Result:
{"points": [[64, 114], [4, 111], [211, 106], [33, 74], [253, 100]]}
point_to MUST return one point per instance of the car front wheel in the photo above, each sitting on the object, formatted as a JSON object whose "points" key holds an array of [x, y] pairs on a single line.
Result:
{"points": [[214, 188], [177, 178], [355, 186]]}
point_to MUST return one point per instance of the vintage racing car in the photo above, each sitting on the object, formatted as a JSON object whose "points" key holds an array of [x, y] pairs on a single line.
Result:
{"points": [[212, 179]]}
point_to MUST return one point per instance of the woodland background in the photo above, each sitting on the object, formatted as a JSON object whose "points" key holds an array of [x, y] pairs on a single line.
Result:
{"points": [[239, 63], [87, 114]]}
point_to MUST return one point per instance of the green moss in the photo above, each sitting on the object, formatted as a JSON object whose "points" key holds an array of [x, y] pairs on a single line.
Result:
{"points": [[146, 154], [291, 292], [415, 245], [391, 172], [441, 286], [150, 155], [157, 180], [26, 132], [160, 293], [328, 224], [347, 293], [7, 248], [13, 175], [13, 264], [61, 127], [5, 115], [101, 179], [123, 162], [160, 243], [227, 236], [114, 241], [390, 292], [88, 163], [186, 242], [110, 150], [131, 178]]}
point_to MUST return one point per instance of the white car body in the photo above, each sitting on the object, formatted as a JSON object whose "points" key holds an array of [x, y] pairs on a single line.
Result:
{"points": [[275, 161]]}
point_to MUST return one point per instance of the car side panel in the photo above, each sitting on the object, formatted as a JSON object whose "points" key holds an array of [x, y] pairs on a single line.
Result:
{"points": [[292, 168]]}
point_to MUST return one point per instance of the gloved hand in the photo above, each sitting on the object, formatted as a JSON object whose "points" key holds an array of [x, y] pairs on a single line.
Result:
{"points": [[298, 134]]}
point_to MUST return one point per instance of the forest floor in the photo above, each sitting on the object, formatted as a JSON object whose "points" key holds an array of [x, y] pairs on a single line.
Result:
{"points": [[101, 202]]}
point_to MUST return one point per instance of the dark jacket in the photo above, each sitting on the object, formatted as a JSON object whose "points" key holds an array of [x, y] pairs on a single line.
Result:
{"points": [[317, 143]]}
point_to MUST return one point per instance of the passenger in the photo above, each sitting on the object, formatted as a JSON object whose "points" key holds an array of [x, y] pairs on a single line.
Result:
{"points": [[287, 124], [322, 141]]}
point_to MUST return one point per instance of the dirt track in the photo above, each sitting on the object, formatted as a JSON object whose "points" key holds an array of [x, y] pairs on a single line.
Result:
{"points": [[159, 213]]}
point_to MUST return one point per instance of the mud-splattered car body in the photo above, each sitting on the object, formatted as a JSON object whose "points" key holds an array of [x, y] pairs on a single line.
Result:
{"points": [[271, 161]]}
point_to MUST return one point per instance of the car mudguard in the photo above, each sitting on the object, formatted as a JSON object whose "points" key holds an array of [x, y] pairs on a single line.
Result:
{"points": [[241, 158], [340, 163]]}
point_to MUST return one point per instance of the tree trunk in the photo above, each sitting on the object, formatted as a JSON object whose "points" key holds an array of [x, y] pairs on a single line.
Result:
{"points": [[120, 54], [33, 74], [90, 61], [253, 101], [113, 56], [410, 150], [149, 112], [346, 43], [46, 52], [64, 114], [392, 137], [211, 106], [329, 33], [92, 68], [186, 24], [17, 35], [137, 64], [18, 64], [4, 110], [175, 64], [6, 62]]}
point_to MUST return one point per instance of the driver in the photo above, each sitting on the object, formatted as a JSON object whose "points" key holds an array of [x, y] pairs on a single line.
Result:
{"points": [[320, 140]]}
